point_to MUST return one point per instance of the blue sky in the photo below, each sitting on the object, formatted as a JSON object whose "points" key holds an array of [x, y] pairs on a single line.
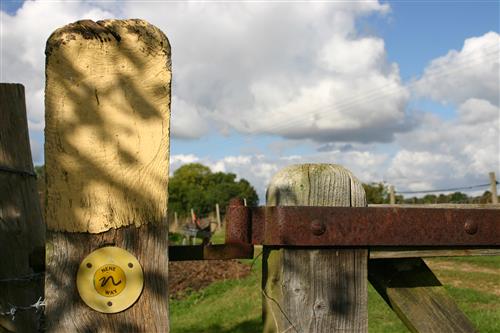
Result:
{"points": [[414, 33], [404, 92], [420, 31]]}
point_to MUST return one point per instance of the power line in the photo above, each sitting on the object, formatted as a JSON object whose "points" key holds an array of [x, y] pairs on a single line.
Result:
{"points": [[446, 189], [467, 61]]}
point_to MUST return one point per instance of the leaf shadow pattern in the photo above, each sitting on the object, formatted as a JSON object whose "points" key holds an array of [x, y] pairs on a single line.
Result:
{"points": [[21, 227], [140, 226]]}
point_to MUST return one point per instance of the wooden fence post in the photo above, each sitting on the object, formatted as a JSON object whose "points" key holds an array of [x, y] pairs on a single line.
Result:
{"points": [[315, 290], [175, 227], [392, 195], [493, 181], [22, 236], [217, 215], [107, 102]]}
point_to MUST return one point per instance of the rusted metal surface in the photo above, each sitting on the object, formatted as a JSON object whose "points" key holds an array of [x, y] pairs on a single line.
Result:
{"points": [[210, 252], [238, 228], [346, 226], [366, 226]]}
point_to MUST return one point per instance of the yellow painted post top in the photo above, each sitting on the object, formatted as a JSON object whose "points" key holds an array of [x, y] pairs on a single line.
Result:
{"points": [[107, 101]]}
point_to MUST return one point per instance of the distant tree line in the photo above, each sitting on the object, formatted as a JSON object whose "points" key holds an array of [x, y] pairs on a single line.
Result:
{"points": [[195, 186], [378, 193]]}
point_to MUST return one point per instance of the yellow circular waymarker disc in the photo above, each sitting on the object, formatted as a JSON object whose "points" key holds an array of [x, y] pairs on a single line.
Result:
{"points": [[110, 280]]}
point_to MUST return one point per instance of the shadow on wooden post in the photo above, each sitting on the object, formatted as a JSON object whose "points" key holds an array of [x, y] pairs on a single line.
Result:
{"points": [[22, 234], [106, 151], [315, 290]]}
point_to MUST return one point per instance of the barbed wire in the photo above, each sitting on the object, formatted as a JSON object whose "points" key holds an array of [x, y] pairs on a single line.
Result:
{"points": [[14, 309], [446, 189]]}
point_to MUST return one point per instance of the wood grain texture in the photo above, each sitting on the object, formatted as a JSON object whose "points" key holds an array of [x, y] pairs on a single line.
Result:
{"points": [[107, 103], [415, 294], [21, 227], [107, 158], [66, 312], [315, 290]]}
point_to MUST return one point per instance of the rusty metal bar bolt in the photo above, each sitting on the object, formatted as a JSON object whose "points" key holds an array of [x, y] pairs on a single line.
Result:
{"points": [[238, 223], [238, 236]]}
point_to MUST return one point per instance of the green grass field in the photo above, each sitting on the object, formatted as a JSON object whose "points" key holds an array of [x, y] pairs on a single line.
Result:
{"points": [[235, 305]]}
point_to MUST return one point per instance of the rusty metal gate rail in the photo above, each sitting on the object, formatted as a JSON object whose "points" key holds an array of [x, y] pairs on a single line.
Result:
{"points": [[346, 227]]}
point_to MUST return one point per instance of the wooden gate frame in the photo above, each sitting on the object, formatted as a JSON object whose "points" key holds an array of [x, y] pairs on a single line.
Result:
{"points": [[397, 238]]}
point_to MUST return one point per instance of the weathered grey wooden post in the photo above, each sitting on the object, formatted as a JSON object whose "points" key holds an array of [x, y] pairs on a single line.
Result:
{"points": [[107, 159], [22, 235], [315, 290]]}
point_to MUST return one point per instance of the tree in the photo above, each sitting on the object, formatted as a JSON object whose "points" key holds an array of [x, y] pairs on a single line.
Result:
{"points": [[40, 171], [458, 197], [376, 193], [195, 186]]}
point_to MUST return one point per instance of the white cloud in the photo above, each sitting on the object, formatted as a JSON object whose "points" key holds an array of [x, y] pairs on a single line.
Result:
{"points": [[449, 153], [257, 68], [179, 159], [476, 111], [296, 70], [36, 151], [418, 171], [473, 72], [186, 120], [22, 46], [356, 56], [436, 153]]}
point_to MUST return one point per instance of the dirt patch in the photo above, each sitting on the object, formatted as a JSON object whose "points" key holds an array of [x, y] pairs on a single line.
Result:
{"points": [[186, 276]]}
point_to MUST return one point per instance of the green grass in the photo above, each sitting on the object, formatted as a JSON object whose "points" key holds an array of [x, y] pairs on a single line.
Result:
{"points": [[227, 306], [381, 318], [483, 309], [218, 237], [235, 305], [486, 261], [175, 238]]}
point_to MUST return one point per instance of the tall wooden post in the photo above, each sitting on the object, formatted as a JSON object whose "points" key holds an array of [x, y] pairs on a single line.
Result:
{"points": [[392, 195], [107, 102], [175, 227], [493, 186], [315, 289], [22, 236], [217, 216]]}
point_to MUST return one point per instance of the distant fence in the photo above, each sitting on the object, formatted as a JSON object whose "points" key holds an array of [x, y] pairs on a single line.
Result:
{"points": [[492, 186]]}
